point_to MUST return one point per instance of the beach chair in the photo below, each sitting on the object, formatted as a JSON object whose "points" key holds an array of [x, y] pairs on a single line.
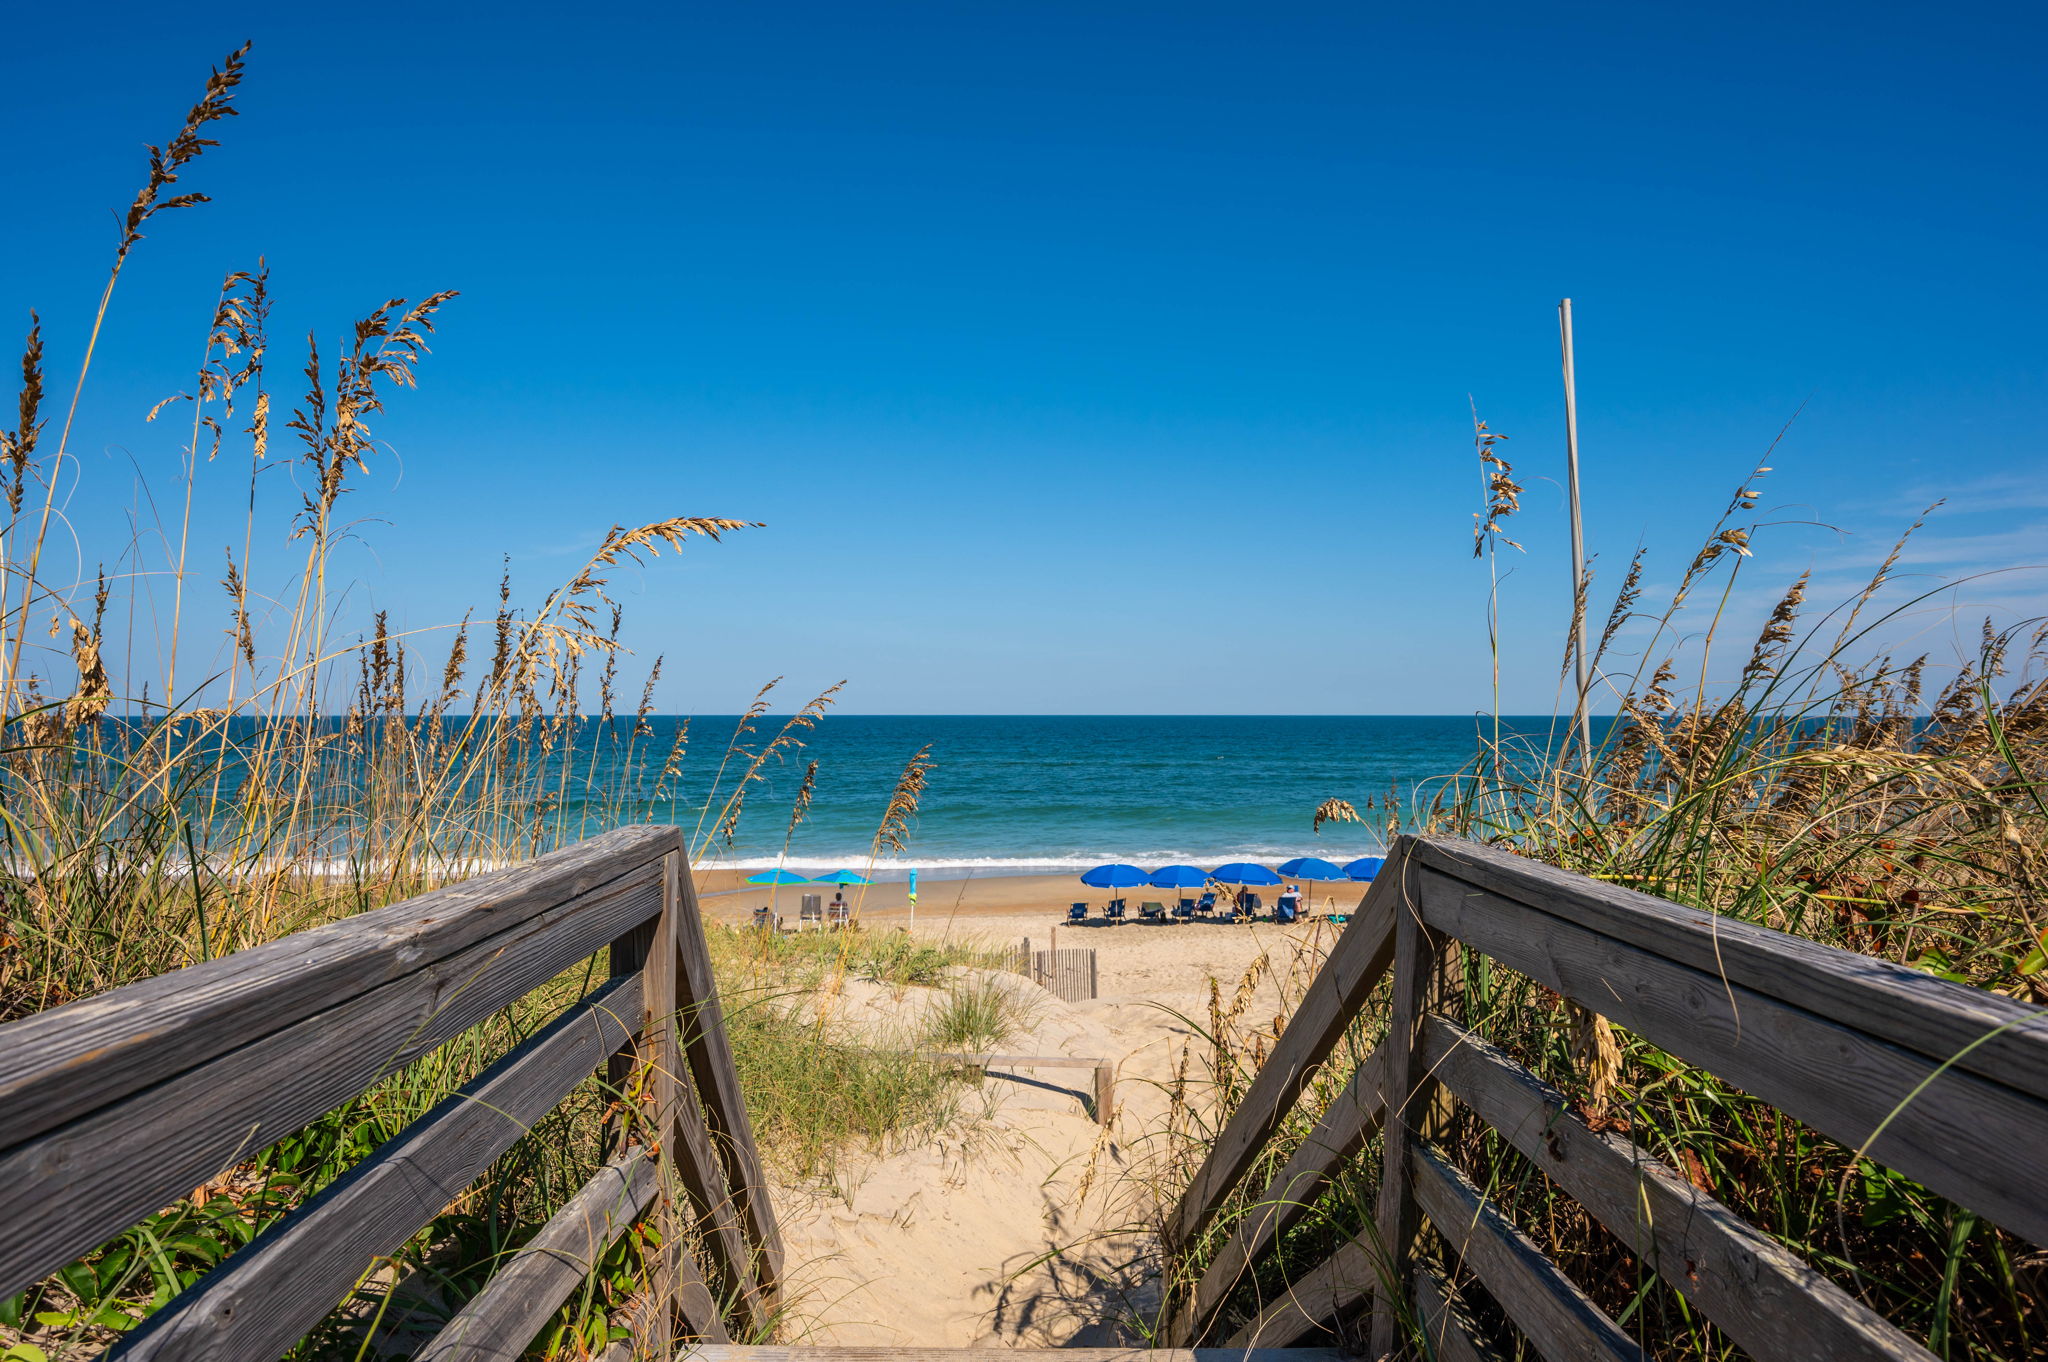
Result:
{"points": [[837, 914], [812, 913], [766, 919], [1114, 912], [1151, 910], [1077, 912], [1185, 910]]}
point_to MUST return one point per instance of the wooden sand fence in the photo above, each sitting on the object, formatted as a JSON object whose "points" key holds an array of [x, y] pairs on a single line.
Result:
{"points": [[1067, 973]]}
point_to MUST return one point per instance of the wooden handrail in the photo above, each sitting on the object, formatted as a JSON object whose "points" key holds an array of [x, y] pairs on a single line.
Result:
{"points": [[114, 1106], [1946, 1083]]}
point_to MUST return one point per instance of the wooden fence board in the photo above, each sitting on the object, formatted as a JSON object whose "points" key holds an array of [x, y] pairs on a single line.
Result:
{"points": [[1997, 1037], [1407, 1089], [1547, 1306], [1966, 1137], [503, 1318], [1105, 1072], [1446, 1335], [693, 1176], [1331, 1289], [118, 1164], [1360, 956], [1068, 973], [267, 1295], [1349, 1122], [58, 1065], [1759, 1292], [888, 1353], [709, 1053]]}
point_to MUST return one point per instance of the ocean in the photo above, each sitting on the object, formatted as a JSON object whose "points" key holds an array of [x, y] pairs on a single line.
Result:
{"points": [[1022, 794]]}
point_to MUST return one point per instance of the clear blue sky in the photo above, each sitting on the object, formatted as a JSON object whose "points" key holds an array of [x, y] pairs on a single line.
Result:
{"points": [[1070, 349]]}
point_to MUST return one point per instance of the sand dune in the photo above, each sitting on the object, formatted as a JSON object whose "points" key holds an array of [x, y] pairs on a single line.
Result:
{"points": [[1023, 1226]]}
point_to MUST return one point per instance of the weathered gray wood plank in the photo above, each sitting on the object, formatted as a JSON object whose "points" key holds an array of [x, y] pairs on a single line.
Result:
{"points": [[1759, 1292], [517, 1303], [983, 1061], [1357, 961], [57, 1065], [71, 1189], [696, 1198], [1547, 1306], [266, 1296], [1333, 1287], [709, 1054], [1445, 1333], [1408, 1089], [834, 1352], [1964, 1136], [1105, 1094], [1997, 1037], [1346, 1125]]}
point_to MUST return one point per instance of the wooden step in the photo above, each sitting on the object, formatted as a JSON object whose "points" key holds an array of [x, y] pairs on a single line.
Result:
{"points": [[624, 1351]]}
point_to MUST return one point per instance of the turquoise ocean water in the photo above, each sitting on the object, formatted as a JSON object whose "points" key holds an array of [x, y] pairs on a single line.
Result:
{"points": [[1020, 794]]}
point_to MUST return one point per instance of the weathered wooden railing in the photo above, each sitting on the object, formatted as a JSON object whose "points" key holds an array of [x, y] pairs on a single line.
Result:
{"points": [[1944, 1083], [115, 1106]]}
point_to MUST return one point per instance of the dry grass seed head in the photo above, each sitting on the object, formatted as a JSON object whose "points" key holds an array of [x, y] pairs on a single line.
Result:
{"points": [[1335, 811], [18, 446], [894, 833]]}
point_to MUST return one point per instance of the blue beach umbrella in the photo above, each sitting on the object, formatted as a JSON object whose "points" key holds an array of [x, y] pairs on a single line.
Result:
{"points": [[841, 877], [1365, 867], [1179, 877], [1117, 876], [1243, 872], [777, 877], [1313, 869]]}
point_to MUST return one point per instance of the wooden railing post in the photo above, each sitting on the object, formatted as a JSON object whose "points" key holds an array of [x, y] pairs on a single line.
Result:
{"points": [[627, 956], [1411, 1112], [663, 1065]]}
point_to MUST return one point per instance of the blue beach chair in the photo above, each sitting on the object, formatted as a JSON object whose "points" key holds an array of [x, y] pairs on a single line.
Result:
{"points": [[1115, 911], [1077, 913]]}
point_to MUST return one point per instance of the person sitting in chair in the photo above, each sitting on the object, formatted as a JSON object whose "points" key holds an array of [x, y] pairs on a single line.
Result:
{"points": [[1288, 907]]}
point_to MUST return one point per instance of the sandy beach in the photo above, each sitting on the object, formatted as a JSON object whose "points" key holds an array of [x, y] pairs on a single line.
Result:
{"points": [[970, 904], [1026, 1226]]}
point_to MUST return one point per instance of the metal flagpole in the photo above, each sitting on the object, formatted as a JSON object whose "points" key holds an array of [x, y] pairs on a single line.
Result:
{"points": [[1581, 724]]}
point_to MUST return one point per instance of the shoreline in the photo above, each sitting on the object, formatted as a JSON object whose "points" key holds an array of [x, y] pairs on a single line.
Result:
{"points": [[726, 898]]}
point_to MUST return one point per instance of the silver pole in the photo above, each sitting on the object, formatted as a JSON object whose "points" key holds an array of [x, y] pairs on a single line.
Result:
{"points": [[1581, 723]]}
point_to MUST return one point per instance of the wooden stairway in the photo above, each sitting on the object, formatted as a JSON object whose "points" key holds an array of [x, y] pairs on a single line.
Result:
{"points": [[829, 1353]]}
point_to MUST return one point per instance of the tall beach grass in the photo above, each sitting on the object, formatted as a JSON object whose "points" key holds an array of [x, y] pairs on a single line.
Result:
{"points": [[1818, 785]]}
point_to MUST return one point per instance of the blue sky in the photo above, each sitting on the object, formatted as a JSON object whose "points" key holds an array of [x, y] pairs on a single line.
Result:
{"points": [[1094, 358]]}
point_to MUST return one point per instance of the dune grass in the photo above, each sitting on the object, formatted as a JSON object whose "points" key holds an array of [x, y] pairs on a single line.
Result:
{"points": [[201, 752], [1825, 789], [819, 1088], [275, 762]]}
